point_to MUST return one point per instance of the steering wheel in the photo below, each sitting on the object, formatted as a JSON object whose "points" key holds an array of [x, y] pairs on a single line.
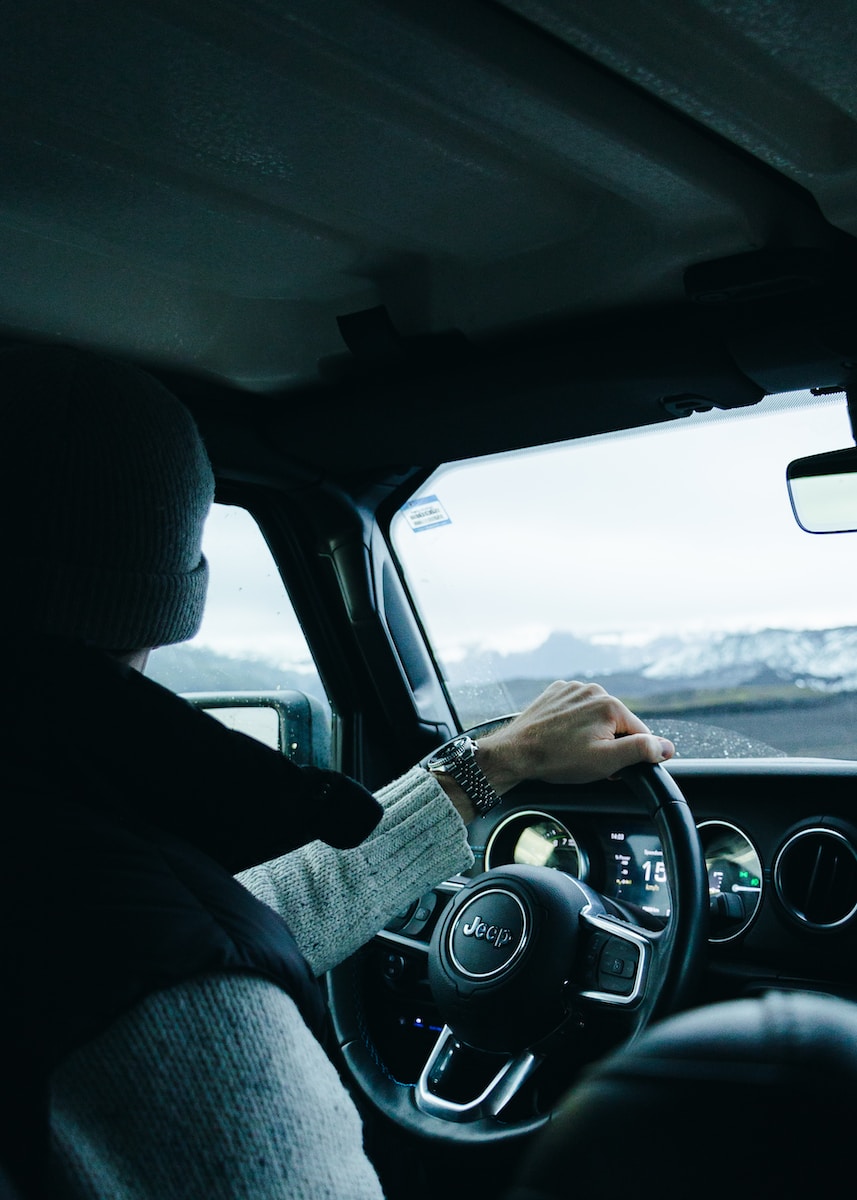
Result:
{"points": [[530, 967]]}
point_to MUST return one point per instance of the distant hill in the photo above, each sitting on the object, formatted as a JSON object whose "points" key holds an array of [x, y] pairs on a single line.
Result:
{"points": [[775, 691], [823, 659], [189, 668], [784, 691]]}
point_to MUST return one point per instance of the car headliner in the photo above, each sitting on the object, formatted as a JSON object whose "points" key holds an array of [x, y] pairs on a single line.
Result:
{"points": [[391, 229]]}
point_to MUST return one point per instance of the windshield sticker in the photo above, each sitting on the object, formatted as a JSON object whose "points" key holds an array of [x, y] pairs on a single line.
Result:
{"points": [[426, 512]]}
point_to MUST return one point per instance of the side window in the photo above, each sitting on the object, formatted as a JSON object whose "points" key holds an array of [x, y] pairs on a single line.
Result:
{"points": [[249, 664]]}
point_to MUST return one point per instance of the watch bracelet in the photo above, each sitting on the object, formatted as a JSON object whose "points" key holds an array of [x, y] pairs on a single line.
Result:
{"points": [[474, 783]]}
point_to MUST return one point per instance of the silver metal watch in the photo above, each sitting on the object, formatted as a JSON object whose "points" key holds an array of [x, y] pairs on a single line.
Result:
{"points": [[458, 759]]}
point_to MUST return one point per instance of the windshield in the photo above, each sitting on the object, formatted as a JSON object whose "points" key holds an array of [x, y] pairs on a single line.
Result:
{"points": [[664, 563]]}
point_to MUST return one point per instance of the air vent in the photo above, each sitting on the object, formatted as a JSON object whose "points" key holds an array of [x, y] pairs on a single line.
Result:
{"points": [[815, 877]]}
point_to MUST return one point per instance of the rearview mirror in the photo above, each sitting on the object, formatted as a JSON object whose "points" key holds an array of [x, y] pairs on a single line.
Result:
{"points": [[823, 491]]}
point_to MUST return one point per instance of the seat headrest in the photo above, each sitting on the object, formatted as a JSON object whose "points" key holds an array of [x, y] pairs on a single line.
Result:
{"points": [[756, 1097]]}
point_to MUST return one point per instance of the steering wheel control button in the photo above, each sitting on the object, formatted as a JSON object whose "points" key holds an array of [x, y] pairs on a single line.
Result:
{"points": [[420, 916], [489, 934], [592, 954], [393, 967], [617, 966]]}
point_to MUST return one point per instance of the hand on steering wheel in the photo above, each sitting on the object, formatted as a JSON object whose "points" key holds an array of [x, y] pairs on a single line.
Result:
{"points": [[526, 960]]}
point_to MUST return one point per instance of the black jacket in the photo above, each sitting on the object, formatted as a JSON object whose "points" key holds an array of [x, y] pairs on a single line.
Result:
{"points": [[126, 814]]}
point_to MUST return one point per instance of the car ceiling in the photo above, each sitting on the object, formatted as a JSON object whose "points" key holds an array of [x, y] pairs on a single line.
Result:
{"points": [[404, 231]]}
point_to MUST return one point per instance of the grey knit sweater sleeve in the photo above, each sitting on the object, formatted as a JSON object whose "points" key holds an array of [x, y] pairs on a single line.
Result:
{"points": [[419, 841], [211, 1090]]}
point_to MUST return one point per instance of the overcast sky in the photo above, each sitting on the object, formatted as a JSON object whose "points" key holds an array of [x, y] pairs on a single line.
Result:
{"points": [[682, 528]]}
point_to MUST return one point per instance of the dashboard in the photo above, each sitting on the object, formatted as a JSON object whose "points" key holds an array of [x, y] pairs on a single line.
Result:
{"points": [[779, 837]]}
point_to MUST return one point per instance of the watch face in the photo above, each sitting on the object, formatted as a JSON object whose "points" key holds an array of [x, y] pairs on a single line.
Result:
{"points": [[449, 754], [457, 758]]}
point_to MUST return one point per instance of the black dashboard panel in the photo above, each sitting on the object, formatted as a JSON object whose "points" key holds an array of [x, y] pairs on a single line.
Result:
{"points": [[779, 837], [780, 842]]}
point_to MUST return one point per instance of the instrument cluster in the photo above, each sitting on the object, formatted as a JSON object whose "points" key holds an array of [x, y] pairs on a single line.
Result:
{"points": [[623, 859]]}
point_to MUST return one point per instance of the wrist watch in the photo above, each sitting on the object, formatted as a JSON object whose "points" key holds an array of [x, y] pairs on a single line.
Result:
{"points": [[458, 759]]}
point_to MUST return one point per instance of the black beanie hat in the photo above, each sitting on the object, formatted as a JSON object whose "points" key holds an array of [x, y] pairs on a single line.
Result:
{"points": [[107, 486]]}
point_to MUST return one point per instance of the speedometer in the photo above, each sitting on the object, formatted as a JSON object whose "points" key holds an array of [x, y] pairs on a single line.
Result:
{"points": [[734, 878]]}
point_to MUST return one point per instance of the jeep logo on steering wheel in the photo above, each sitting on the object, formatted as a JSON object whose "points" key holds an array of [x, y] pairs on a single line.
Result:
{"points": [[497, 935], [489, 934]]}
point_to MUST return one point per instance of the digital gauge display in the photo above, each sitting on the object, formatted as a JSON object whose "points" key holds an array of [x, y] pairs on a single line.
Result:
{"points": [[637, 871]]}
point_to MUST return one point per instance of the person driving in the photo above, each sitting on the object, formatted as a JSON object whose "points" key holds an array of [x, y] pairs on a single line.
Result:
{"points": [[174, 889]]}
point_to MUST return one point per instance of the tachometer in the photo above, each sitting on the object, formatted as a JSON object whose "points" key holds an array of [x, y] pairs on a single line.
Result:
{"points": [[536, 839]]}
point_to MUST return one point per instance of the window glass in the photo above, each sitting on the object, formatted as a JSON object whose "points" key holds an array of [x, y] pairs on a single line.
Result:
{"points": [[664, 563], [250, 639]]}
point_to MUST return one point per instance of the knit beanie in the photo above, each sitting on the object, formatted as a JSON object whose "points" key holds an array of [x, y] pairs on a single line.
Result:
{"points": [[107, 487]]}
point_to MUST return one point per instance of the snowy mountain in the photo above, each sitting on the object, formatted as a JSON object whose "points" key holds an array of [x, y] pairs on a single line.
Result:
{"points": [[825, 659], [822, 659]]}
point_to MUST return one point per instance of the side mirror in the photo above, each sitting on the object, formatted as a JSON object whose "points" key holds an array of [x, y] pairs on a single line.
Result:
{"points": [[294, 723], [823, 491]]}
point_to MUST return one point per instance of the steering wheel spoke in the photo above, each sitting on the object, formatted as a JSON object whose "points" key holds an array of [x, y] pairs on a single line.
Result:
{"points": [[438, 1092], [615, 961]]}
